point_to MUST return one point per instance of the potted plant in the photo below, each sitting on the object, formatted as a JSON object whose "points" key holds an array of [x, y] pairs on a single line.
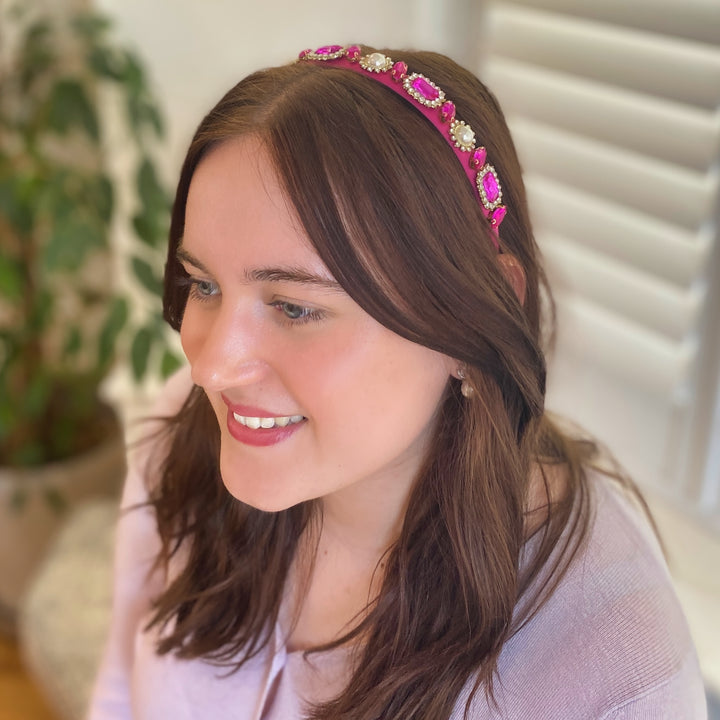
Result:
{"points": [[63, 319]]}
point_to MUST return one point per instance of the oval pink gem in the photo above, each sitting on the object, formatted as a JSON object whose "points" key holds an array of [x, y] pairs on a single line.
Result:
{"points": [[399, 70], [328, 49], [477, 159], [491, 187], [422, 86], [447, 111], [498, 215]]}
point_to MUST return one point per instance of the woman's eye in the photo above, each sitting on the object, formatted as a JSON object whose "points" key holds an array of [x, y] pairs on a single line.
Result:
{"points": [[203, 289], [294, 312], [297, 313]]}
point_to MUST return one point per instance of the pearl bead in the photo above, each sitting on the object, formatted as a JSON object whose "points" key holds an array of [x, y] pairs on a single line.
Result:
{"points": [[464, 135], [377, 60]]}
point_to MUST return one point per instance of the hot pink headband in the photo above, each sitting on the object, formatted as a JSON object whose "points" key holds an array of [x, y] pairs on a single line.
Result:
{"points": [[426, 97]]}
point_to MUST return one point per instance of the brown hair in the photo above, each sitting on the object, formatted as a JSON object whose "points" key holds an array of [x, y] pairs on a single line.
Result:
{"points": [[391, 214]]}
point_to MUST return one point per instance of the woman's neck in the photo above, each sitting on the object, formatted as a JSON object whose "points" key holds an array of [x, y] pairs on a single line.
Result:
{"points": [[338, 571]]}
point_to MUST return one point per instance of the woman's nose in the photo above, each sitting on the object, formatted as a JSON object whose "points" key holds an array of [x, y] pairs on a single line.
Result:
{"points": [[224, 349]]}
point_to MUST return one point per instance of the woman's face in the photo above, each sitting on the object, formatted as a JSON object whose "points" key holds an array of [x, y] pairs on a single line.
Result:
{"points": [[312, 395]]}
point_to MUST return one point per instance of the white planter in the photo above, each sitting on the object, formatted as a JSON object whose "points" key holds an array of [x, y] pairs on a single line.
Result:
{"points": [[26, 532]]}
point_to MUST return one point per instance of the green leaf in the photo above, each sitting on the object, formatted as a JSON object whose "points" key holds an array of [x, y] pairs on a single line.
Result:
{"points": [[37, 395], [134, 75], [11, 279], [15, 202], [71, 108], [37, 55], [107, 63], [140, 351], [152, 228], [114, 323], [101, 196], [155, 119], [150, 191], [141, 112], [170, 363], [91, 25], [73, 342], [70, 242], [147, 277], [146, 228], [37, 32], [41, 312]]}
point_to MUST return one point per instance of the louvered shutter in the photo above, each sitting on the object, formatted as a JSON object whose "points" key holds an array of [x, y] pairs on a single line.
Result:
{"points": [[614, 107]]}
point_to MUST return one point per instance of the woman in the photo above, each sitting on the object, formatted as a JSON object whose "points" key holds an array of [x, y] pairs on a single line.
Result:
{"points": [[358, 508]]}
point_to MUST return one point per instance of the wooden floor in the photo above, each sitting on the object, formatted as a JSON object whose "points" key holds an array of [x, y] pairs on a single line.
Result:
{"points": [[19, 698]]}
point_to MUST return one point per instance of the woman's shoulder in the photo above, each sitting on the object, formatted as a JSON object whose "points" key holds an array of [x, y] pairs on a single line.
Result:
{"points": [[612, 635], [628, 621]]}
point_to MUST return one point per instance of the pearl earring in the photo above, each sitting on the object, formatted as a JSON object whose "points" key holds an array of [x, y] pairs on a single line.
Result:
{"points": [[465, 387]]}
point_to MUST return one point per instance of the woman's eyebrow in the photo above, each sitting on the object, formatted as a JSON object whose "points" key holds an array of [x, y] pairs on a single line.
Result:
{"points": [[184, 256], [292, 275], [270, 274]]}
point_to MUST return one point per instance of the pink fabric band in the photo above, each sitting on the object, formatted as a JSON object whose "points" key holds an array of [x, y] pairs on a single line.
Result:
{"points": [[430, 100]]}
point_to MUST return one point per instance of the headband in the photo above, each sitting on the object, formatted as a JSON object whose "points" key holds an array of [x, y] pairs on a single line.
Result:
{"points": [[426, 97]]}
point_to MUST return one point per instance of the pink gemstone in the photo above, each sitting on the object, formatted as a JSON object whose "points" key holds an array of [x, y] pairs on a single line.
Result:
{"points": [[497, 215], [399, 70], [352, 53], [447, 111], [424, 88], [328, 49], [492, 191], [477, 159], [303, 53]]}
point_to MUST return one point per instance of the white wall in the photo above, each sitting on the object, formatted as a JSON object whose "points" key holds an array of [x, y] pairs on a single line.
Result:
{"points": [[198, 50]]}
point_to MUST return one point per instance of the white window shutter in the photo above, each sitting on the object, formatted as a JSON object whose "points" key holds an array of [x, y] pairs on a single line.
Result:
{"points": [[615, 111]]}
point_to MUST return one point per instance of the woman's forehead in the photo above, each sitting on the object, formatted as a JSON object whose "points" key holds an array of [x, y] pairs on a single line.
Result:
{"points": [[237, 206]]}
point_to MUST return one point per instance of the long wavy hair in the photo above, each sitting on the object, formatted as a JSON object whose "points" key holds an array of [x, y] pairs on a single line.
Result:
{"points": [[391, 214]]}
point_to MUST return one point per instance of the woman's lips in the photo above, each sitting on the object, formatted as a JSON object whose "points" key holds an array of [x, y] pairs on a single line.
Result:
{"points": [[256, 426]]}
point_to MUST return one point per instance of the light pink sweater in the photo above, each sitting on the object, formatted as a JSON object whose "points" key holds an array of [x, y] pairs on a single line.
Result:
{"points": [[611, 642]]}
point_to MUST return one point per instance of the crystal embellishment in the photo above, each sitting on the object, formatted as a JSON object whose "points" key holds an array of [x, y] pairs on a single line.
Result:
{"points": [[399, 70], [327, 52], [425, 91], [376, 62], [447, 111], [489, 188], [498, 215], [352, 53], [462, 135], [477, 159]]}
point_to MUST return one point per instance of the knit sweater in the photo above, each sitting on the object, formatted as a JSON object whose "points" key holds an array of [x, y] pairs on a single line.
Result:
{"points": [[610, 642]]}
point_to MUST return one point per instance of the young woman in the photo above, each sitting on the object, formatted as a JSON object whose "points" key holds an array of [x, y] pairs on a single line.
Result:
{"points": [[356, 507]]}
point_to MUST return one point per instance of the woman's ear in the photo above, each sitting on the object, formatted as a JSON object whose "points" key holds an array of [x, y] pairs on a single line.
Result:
{"points": [[514, 274]]}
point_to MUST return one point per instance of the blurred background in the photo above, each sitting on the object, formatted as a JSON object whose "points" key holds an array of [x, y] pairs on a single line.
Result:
{"points": [[615, 110]]}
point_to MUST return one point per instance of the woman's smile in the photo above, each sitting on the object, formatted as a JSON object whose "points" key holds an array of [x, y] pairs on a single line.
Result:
{"points": [[258, 427]]}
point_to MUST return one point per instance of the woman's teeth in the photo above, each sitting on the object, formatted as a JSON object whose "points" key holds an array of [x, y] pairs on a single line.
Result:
{"points": [[267, 422]]}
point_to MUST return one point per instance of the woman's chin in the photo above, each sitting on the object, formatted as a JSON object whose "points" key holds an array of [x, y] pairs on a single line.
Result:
{"points": [[260, 498]]}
